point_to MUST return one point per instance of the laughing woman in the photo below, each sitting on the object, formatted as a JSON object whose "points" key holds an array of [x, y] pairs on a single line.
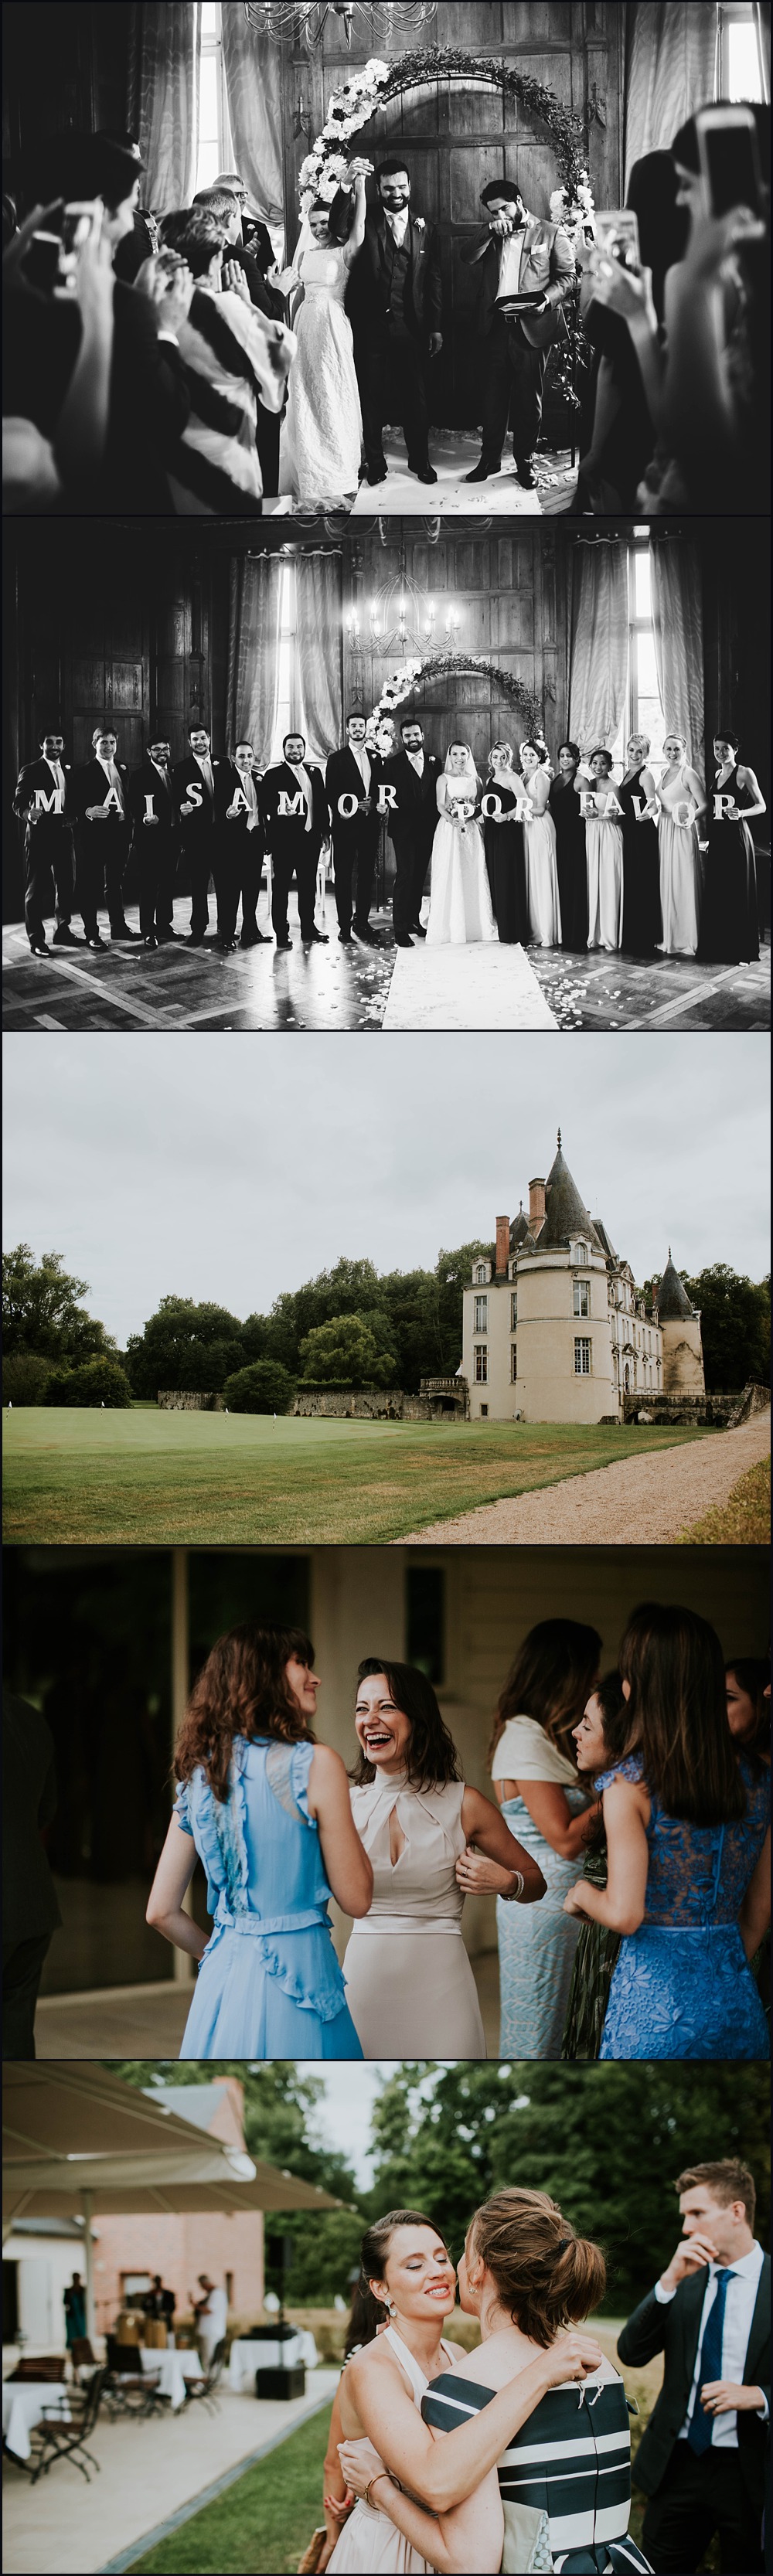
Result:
{"points": [[410, 1987], [267, 1810]]}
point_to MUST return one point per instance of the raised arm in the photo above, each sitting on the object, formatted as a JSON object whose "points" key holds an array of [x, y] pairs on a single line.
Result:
{"points": [[444, 2473], [504, 1855], [346, 1862], [468, 2537], [164, 1910], [356, 237], [620, 1905]]}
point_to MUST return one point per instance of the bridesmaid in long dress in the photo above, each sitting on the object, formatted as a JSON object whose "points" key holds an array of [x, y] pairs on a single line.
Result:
{"points": [[267, 1809], [539, 842], [533, 1766], [323, 427], [682, 802], [571, 853], [410, 1987], [687, 1824], [503, 841], [730, 931], [642, 917], [604, 844]]}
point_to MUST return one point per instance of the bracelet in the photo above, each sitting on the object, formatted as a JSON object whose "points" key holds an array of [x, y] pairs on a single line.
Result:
{"points": [[373, 2482], [515, 1893]]}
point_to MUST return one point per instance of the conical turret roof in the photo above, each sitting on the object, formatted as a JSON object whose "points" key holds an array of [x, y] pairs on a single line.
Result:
{"points": [[519, 1232], [565, 1214], [672, 1299]]}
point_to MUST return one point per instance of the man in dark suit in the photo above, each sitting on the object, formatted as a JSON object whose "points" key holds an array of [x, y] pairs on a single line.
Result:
{"points": [[395, 305], [702, 2459], [351, 780], [239, 864], [155, 835], [515, 256], [30, 1909], [45, 803], [411, 821], [194, 788], [296, 823], [104, 835]]}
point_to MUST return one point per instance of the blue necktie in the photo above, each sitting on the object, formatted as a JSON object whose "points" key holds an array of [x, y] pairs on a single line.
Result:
{"points": [[701, 2424]]}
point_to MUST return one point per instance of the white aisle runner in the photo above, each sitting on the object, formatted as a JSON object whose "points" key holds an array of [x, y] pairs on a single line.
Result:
{"points": [[452, 452], [485, 987]]}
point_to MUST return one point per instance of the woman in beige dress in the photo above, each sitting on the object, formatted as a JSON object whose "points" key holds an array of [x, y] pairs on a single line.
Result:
{"points": [[431, 1841]]}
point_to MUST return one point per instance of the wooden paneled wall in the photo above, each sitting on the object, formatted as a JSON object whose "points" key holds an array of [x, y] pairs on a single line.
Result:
{"points": [[505, 591]]}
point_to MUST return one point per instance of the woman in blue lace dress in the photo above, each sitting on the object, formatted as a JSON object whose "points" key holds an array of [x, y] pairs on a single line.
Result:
{"points": [[268, 1811], [687, 1823]]}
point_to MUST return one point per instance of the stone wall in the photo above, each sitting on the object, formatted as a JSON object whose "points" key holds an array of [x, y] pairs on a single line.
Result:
{"points": [[718, 1411], [362, 1404], [184, 1400]]}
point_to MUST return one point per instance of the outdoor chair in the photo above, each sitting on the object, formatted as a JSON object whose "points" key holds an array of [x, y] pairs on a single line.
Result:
{"points": [[203, 2392], [61, 2436], [82, 2355], [49, 2365], [129, 2390]]}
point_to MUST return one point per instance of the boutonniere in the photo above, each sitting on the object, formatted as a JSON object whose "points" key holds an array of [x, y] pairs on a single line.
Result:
{"points": [[419, 225]]}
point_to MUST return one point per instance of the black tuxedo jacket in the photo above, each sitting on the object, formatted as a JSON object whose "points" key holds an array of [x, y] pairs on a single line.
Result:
{"points": [[145, 782], [415, 813], [188, 788], [344, 778], [34, 777], [281, 828], [93, 788], [547, 267], [673, 2329], [367, 296], [228, 785]]}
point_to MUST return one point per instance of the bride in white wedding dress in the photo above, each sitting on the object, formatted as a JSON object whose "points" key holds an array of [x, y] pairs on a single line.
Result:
{"points": [[460, 911], [323, 426]]}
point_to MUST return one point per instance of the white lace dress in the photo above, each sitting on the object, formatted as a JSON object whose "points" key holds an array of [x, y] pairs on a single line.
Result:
{"points": [[370, 2545], [323, 426], [460, 910]]}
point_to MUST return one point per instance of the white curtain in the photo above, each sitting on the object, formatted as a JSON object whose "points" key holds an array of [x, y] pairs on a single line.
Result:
{"points": [[251, 70], [319, 644], [598, 646], [671, 56], [677, 616], [253, 652], [165, 103]]}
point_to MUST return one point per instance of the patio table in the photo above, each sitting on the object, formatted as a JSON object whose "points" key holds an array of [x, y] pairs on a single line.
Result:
{"points": [[247, 2356], [23, 2403], [170, 2370]]}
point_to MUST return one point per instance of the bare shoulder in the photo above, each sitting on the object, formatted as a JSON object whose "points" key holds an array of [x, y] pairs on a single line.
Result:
{"points": [[494, 2363]]}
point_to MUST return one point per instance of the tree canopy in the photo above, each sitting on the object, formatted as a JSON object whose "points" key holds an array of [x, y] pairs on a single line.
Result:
{"points": [[735, 1326], [42, 1312], [413, 1320]]}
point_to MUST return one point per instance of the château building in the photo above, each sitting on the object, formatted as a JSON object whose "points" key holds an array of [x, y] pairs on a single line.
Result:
{"points": [[555, 1328]]}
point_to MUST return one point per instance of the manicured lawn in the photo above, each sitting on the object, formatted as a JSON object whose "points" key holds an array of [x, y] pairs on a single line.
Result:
{"points": [[210, 1478], [743, 1521], [261, 2526]]}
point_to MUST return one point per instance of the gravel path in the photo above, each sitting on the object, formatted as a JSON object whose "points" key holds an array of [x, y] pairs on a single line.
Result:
{"points": [[647, 1501]]}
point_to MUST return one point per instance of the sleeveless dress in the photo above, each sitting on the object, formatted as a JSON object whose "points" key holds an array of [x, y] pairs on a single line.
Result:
{"points": [[572, 864], [269, 1984], [544, 909], [460, 913], [323, 429], [410, 1988], [730, 930], [537, 1943], [369, 2544], [682, 1986], [604, 845], [680, 873], [505, 867], [642, 917], [571, 2461]]}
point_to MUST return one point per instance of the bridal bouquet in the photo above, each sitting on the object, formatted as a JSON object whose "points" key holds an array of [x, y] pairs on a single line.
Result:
{"points": [[461, 808]]}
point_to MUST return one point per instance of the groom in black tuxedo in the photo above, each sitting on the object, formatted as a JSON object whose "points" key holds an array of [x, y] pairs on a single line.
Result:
{"points": [[395, 306], [351, 780], [411, 821], [702, 2459], [296, 823]]}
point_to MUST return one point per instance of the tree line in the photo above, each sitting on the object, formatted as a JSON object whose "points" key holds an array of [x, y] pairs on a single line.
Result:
{"points": [[350, 1326]]}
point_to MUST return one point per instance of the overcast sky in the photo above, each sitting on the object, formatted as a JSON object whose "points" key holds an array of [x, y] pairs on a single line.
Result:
{"points": [[350, 2091], [231, 1167]]}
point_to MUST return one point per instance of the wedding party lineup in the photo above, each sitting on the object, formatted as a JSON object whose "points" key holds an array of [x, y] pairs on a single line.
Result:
{"points": [[386, 1625]]}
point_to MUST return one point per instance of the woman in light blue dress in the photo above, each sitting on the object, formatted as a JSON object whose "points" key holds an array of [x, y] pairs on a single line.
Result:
{"points": [[268, 1811], [687, 1824], [534, 1769]]}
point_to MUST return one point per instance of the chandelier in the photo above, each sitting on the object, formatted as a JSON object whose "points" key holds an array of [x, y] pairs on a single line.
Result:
{"points": [[293, 22], [400, 618]]}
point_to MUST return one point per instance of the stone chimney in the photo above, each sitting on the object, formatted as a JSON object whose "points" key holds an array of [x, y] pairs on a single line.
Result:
{"points": [[536, 1206], [503, 1246]]}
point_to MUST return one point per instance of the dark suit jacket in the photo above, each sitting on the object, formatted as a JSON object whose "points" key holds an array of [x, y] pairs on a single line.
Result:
{"points": [[416, 809], [278, 826], [673, 2329], [188, 787], [228, 784], [265, 298], [367, 296], [344, 778], [547, 264], [93, 788], [36, 774], [29, 1802], [146, 782]]}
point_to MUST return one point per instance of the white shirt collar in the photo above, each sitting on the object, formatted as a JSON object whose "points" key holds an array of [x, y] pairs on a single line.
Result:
{"points": [[747, 2266]]}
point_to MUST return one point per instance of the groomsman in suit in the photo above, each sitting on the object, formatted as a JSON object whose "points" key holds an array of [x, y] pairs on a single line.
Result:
{"points": [[395, 305], [351, 780], [411, 822], [104, 836], [241, 848], [193, 788], [515, 254], [155, 835], [296, 822], [45, 803], [702, 2460]]}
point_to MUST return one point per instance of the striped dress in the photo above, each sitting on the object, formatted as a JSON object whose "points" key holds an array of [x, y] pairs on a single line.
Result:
{"points": [[571, 2461], [234, 358]]}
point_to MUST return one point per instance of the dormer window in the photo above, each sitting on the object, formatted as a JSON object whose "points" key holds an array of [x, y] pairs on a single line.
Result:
{"points": [[481, 1274], [580, 1251]]}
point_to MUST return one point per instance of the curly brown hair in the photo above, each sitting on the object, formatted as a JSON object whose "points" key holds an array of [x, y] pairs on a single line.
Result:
{"points": [[550, 1679], [242, 1689], [544, 2275]]}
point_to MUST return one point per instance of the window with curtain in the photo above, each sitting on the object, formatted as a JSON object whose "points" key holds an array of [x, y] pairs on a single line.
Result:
{"points": [[739, 66], [287, 713], [643, 711], [214, 148]]}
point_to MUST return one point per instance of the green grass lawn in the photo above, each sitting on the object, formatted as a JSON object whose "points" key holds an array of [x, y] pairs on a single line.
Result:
{"points": [[261, 2526], [213, 1478]]}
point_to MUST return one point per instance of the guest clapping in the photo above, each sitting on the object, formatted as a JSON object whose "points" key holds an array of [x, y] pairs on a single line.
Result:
{"points": [[232, 354]]}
